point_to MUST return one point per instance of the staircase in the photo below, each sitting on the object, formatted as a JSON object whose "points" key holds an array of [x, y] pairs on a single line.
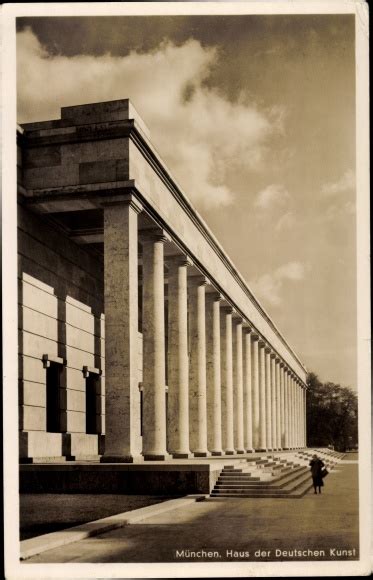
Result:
{"points": [[284, 475]]}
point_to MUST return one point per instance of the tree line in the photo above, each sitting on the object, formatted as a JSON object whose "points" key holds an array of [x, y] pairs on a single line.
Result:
{"points": [[332, 413]]}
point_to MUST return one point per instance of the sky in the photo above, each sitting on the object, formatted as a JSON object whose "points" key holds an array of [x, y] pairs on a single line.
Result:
{"points": [[255, 118]]}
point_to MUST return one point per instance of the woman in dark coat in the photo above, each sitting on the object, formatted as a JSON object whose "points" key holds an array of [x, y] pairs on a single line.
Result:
{"points": [[316, 471]]}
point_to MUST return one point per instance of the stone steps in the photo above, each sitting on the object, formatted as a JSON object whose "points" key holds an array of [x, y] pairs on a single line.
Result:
{"points": [[273, 476], [250, 484]]}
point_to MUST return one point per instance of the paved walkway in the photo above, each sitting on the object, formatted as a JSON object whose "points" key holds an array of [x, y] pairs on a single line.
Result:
{"points": [[316, 527]]}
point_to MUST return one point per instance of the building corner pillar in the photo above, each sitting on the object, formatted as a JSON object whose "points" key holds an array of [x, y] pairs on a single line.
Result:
{"points": [[122, 439]]}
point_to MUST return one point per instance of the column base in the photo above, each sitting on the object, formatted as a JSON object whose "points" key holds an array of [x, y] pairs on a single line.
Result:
{"points": [[217, 453], [230, 452], [121, 459], [286, 448], [262, 450], [250, 450], [157, 456], [240, 451], [201, 453], [181, 455]]}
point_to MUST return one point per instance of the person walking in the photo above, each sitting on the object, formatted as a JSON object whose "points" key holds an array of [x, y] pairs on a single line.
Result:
{"points": [[317, 465]]}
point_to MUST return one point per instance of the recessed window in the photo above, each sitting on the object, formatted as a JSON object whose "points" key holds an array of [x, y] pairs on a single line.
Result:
{"points": [[53, 398], [91, 403]]}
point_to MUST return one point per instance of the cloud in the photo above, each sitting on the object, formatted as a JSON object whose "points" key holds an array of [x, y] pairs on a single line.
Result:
{"points": [[269, 287], [286, 221], [337, 212], [200, 133], [272, 196], [344, 183]]}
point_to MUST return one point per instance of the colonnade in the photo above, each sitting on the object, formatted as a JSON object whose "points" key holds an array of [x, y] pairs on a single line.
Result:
{"points": [[229, 392]]}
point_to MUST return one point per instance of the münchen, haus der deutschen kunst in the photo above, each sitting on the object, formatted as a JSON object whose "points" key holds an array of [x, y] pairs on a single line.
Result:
{"points": [[138, 338]]}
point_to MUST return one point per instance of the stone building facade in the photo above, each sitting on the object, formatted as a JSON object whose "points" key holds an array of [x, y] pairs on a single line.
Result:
{"points": [[138, 338]]}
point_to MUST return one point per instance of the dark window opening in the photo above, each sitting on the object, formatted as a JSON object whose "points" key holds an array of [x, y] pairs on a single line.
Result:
{"points": [[91, 400], [53, 398], [141, 411]]}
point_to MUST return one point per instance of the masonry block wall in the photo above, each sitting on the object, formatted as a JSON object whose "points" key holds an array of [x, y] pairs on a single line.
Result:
{"points": [[61, 323]]}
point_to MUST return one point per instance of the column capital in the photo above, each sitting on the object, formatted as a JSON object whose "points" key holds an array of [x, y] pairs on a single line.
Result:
{"points": [[262, 343], [199, 280], [246, 328], [236, 317], [278, 360], [214, 296], [152, 235], [273, 355], [267, 349], [254, 336], [125, 199], [282, 364], [227, 309], [177, 260]]}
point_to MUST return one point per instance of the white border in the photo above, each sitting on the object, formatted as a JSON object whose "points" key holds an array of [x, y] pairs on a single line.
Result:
{"points": [[342, 568]]}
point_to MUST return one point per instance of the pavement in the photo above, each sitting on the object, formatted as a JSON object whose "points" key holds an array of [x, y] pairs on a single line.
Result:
{"points": [[315, 527]]}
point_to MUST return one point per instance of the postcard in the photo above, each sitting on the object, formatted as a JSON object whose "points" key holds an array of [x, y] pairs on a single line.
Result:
{"points": [[186, 289]]}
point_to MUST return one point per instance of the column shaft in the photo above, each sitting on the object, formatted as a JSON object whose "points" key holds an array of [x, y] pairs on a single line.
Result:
{"points": [[122, 441], [214, 435], [238, 387], [262, 398], [227, 382], [178, 372], [305, 417], [278, 405], [294, 413], [286, 409], [274, 402], [154, 380], [283, 399], [268, 388], [197, 399], [255, 391], [247, 382]]}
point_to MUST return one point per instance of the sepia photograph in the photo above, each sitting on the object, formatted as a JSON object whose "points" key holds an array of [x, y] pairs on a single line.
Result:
{"points": [[186, 289]]}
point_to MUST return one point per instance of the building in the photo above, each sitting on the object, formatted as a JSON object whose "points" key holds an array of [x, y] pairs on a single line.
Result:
{"points": [[137, 335]]}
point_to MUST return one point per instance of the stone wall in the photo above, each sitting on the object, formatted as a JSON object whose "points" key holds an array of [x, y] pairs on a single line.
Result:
{"points": [[60, 318]]}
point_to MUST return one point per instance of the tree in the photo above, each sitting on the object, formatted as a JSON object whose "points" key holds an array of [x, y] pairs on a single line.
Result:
{"points": [[331, 415]]}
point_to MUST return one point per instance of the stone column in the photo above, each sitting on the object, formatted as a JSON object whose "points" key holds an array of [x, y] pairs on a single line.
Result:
{"points": [[292, 411], [283, 399], [121, 319], [197, 392], [247, 391], [255, 390], [290, 405], [154, 380], [278, 405], [299, 415], [262, 397], [178, 372], [268, 383], [238, 385], [214, 435], [287, 409], [305, 417], [227, 381], [295, 386], [274, 402]]}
